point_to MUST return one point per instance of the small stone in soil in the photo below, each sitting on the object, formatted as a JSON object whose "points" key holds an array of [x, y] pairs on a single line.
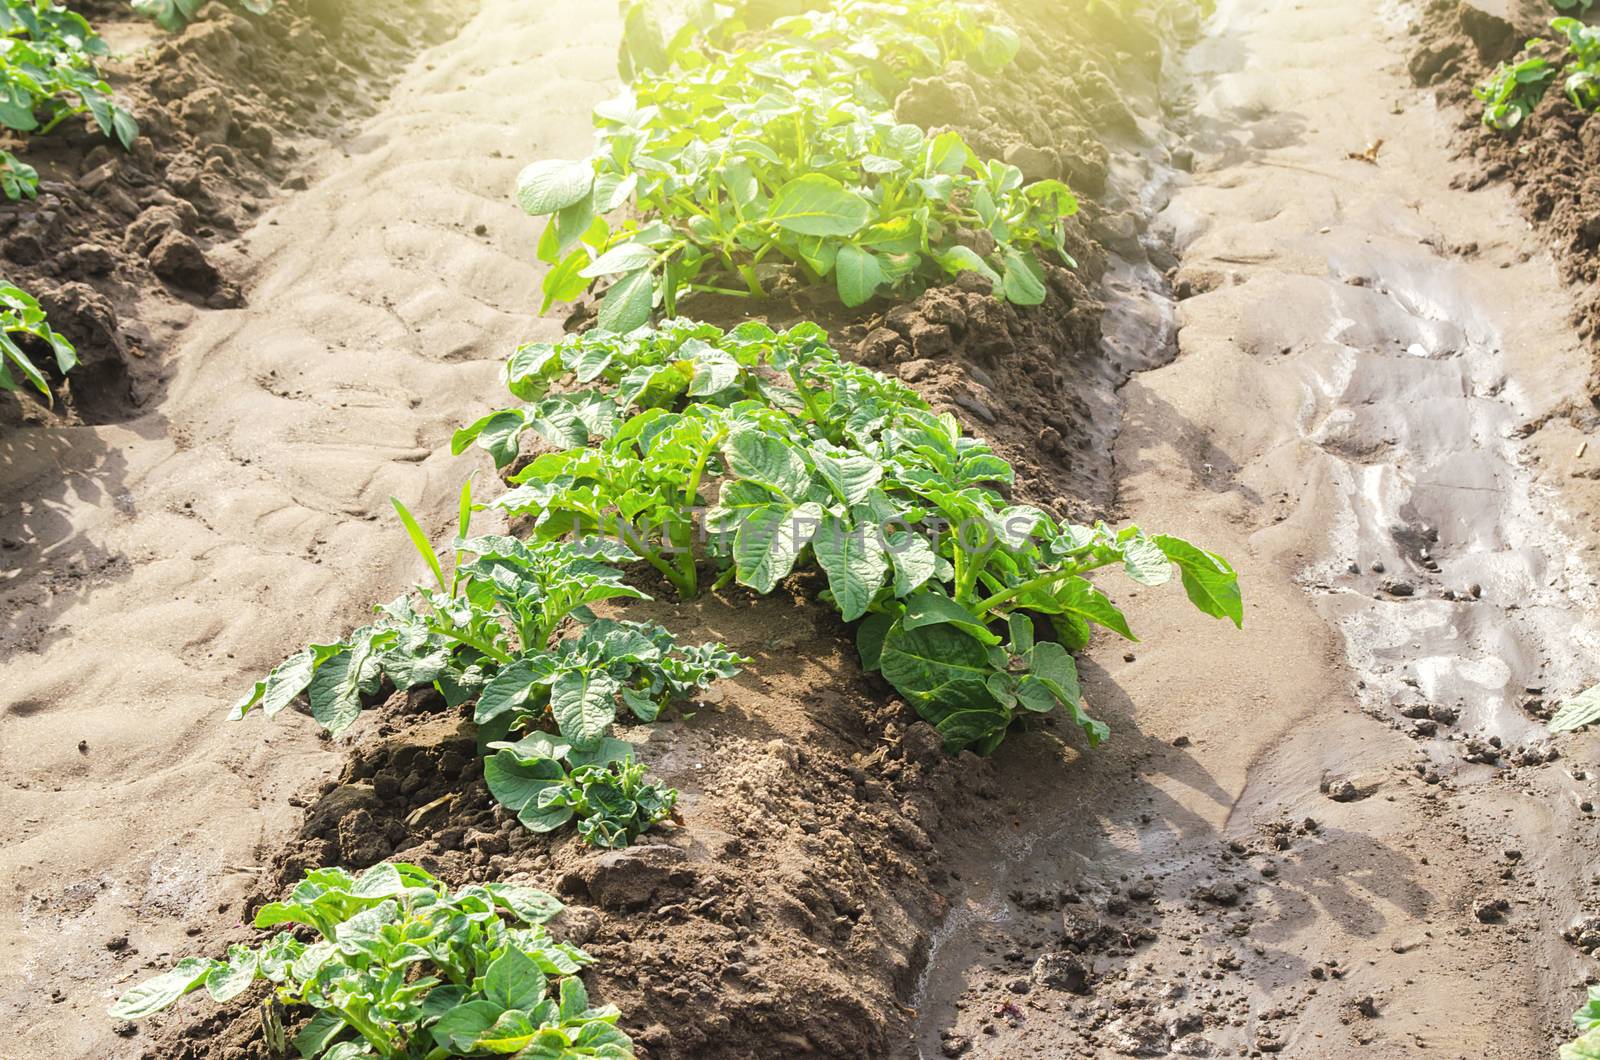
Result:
{"points": [[1489, 908], [1137, 1037], [954, 1045], [1342, 791], [1061, 971]]}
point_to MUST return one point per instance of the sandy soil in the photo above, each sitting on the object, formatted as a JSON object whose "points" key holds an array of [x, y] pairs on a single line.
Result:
{"points": [[1346, 391], [172, 557], [1298, 838]]}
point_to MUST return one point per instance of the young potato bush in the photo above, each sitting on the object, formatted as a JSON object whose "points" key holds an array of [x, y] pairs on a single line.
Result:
{"points": [[485, 633], [20, 315], [758, 451], [47, 75], [548, 782], [1517, 88], [405, 968], [1582, 82], [784, 153]]}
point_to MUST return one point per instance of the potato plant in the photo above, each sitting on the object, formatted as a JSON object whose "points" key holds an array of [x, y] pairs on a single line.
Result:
{"points": [[175, 14], [548, 782], [21, 317], [881, 45], [768, 157], [838, 467], [1515, 90], [1582, 83], [403, 967], [485, 634], [1587, 1022], [48, 75]]}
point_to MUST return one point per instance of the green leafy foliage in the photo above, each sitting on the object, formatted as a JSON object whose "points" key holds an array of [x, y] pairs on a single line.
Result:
{"points": [[655, 31], [1581, 710], [20, 316], [1587, 1022], [1582, 83], [796, 458], [1586, 1047], [580, 683], [710, 177], [1515, 89], [404, 967], [18, 180], [48, 75], [173, 15], [548, 782], [485, 633], [882, 44], [1572, 5]]}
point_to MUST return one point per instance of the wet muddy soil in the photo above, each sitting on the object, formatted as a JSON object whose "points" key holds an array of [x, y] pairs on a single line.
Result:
{"points": [[1343, 834]]}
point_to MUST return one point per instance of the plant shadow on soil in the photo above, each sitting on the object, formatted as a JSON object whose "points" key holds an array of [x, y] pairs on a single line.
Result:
{"points": [[47, 561], [1101, 903]]}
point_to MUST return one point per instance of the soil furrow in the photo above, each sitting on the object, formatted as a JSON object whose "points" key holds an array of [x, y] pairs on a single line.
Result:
{"points": [[163, 562], [1328, 809]]}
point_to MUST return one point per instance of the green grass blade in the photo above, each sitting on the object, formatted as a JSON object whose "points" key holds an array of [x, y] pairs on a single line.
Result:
{"points": [[420, 541]]}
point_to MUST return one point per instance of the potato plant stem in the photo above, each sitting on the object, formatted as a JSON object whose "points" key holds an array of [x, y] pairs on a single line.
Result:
{"points": [[472, 642], [683, 581], [983, 607]]}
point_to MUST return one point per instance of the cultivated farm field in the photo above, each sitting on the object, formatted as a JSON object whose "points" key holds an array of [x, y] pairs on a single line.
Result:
{"points": [[798, 528]]}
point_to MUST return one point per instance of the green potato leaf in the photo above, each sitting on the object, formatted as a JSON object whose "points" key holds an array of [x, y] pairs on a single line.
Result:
{"points": [[1211, 583], [553, 184], [818, 205]]}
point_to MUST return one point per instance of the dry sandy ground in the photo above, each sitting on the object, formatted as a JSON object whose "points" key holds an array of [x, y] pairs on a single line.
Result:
{"points": [[178, 556], [1350, 376]]}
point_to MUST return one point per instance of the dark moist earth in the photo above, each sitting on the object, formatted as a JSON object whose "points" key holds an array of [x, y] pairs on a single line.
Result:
{"points": [[1552, 162], [790, 911], [227, 110]]}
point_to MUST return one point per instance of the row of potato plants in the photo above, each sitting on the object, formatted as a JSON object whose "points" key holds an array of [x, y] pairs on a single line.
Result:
{"points": [[707, 458], [733, 166]]}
